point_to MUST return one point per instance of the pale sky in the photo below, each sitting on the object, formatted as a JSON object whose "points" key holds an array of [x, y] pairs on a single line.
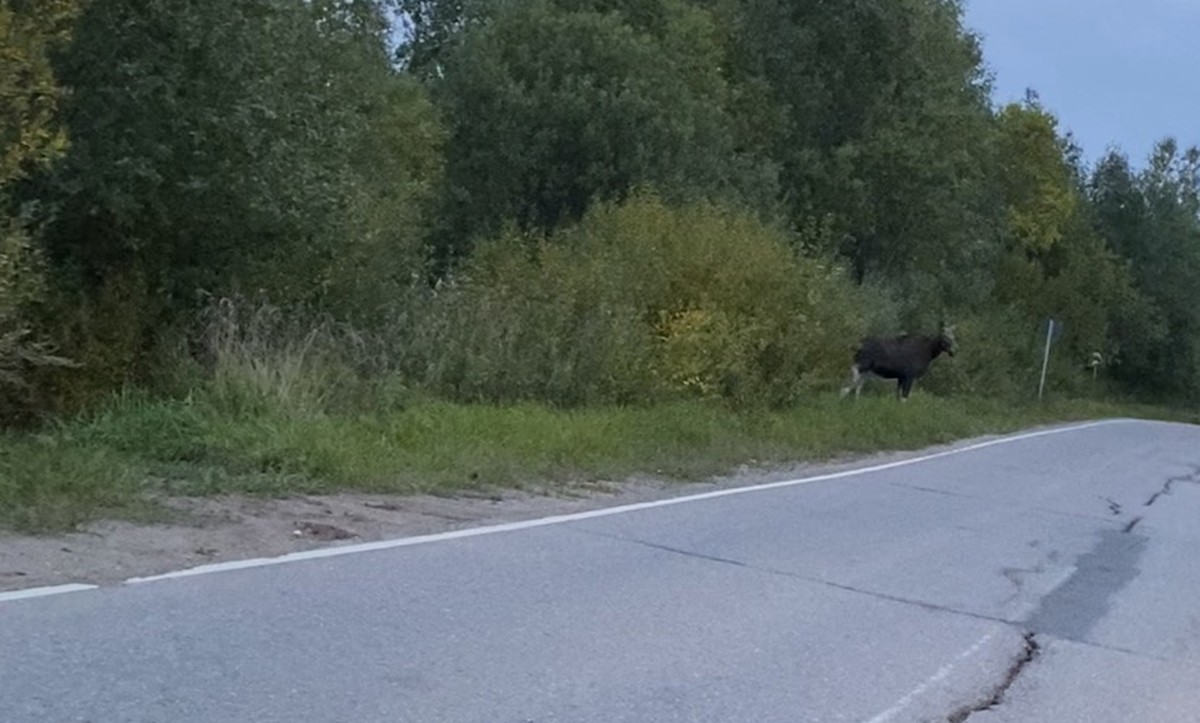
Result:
{"points": [[1123, 72]]}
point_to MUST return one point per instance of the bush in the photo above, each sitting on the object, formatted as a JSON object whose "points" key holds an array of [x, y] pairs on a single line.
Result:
{"points": [[22, 352], [516, 327], [996, 356], [638, 301], [107, 334]]}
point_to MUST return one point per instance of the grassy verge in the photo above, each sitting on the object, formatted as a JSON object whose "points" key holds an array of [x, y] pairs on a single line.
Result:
{"points": [[113, 462]]}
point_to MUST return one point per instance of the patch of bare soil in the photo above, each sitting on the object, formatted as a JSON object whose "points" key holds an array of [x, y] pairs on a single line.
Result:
{"points": [[219, 529]]}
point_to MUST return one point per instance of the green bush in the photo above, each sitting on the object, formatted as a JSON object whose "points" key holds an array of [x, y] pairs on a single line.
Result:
{"points": [[23, 353], [641, 300], [997, 356], [516, 326], [106, 334]]}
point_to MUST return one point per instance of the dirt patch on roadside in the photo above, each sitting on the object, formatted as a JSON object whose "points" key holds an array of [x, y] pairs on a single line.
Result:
{"points": [[219, 529]]}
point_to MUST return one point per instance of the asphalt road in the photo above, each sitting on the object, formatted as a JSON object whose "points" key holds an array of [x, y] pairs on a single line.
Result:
{"points": [[1050, 578]]}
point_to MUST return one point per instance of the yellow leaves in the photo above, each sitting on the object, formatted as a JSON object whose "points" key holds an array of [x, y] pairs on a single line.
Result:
{"points": [[711, 301], [29, 94], [29, 136], [1037, 185], [1039, 220], [35, 144], [704, 350]]}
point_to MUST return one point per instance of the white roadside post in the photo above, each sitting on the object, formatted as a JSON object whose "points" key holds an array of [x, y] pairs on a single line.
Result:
{"points": [[1046, 357]]}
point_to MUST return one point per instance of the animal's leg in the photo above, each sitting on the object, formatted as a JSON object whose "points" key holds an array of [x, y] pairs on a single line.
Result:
{"points": [[856, 382], [905, 387]]}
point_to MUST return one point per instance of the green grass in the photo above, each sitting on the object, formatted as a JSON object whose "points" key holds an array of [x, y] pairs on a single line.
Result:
{"points": [[115, 460], [47, 484]]}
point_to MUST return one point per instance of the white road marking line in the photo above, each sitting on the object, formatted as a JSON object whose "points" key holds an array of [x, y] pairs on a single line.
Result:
{"points": [[592, 514], [43, 592], [936, 678], [546, 521]]}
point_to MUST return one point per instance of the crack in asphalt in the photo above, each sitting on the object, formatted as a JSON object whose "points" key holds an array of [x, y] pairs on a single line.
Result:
{"points": [[934, 491], [804, 578], [1031, 647], [1028, 654], [1168, 486], [1020, 625], [1193, 478], [1015, 506]]}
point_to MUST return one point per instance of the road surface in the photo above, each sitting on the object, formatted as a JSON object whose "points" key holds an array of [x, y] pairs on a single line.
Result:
{"points": [[1050, 577]]}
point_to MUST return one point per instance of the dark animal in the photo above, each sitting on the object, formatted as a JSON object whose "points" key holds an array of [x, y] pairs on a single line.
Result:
{"points": [[903, 358]]}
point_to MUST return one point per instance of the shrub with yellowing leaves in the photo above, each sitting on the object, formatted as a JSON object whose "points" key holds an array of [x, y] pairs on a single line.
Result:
{"points": [[642, 300], [30, 137]]}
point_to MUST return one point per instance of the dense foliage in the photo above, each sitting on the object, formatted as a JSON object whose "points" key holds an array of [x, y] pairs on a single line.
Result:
{"points": [[576, 201], [31, 136]]}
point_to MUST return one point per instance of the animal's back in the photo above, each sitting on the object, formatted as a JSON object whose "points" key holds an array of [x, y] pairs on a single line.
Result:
{"points": [[891, 357], [869, 351]]}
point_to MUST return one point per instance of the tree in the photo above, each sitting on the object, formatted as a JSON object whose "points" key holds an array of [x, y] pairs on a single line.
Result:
{"points": [[223, 146], [1152, 220], [29, 132], [213, 143], [1054, 263], [1035, 177], [551, 108], [430, 30], [30, 139], [399, 167], [1166, 261], [877, 113]]}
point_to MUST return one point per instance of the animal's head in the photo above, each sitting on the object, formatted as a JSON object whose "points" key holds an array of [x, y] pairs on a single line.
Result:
{"points": [[946, 341]]}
